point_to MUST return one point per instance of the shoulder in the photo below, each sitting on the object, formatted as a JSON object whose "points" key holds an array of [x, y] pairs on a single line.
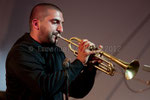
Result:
{"points": [[24, 48], [24, 44]]}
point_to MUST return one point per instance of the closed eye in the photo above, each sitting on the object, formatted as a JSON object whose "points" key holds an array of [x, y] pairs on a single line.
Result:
{"points": [[55, 21]]}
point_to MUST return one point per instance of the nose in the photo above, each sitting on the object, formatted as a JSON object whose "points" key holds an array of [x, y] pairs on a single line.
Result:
{"points": [[60, 28]]}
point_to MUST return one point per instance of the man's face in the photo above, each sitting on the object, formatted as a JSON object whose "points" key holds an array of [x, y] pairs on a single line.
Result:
{"points": [[50, 25]]}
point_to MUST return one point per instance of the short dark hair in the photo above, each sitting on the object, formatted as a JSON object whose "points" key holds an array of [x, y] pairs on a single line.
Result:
{"points": [[43, 6]]}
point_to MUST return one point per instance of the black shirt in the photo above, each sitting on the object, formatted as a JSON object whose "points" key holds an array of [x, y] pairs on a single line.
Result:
{"points": [[35, 72]]}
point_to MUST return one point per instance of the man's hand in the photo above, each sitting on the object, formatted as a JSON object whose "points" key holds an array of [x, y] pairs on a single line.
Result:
{"points": [[83, 51]]}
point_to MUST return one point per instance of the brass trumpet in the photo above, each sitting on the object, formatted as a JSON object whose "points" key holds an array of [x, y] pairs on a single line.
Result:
{"points": [[106, 66]]}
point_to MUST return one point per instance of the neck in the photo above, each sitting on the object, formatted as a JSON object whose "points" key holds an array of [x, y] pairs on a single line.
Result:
{"points": [[34, 36]]}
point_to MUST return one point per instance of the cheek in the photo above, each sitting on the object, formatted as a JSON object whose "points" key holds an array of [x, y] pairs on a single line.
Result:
{"points": [[44, 30], [47, 28], [51, 28]]}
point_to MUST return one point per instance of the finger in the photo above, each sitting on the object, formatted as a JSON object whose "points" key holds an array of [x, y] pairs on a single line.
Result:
{"points": [[91, 43], [85, 48], [80, 44], [96, 61], [84, 45], [84, 40], [100, 61], [92, 52]]}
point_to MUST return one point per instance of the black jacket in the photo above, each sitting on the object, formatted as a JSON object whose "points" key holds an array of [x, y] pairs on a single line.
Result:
{"points": [[35, 72]]}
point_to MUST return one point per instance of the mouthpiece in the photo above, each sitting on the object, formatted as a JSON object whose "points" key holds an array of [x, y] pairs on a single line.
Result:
{"points": [[58, 35]]}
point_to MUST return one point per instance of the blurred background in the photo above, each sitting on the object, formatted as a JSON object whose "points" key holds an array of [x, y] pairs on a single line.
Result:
{"points": [[121, 26]]}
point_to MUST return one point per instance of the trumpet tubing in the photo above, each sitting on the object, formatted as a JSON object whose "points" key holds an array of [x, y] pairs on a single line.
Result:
{"points": [[106, 66]]}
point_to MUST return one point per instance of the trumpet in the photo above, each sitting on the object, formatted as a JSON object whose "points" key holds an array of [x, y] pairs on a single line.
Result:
{"points": [[105, 65]]}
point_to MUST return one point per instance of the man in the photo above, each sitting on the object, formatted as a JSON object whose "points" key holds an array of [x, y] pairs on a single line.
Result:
{"points": [[34, 65]]}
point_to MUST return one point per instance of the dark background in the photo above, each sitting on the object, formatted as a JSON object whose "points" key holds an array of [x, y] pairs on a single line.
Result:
{"points": [[121, 26]]}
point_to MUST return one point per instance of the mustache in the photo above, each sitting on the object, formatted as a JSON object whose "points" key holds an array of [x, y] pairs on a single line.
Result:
{"points": [[55, 33]]}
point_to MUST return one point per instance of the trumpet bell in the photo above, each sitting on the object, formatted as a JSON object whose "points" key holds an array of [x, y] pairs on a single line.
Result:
{"points": [[132, 69]]}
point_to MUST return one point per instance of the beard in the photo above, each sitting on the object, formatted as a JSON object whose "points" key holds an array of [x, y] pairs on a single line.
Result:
{"points": [[53, 38], [48, 36]]}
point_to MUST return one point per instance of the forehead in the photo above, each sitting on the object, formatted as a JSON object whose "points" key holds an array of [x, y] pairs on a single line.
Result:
{"points": [[54, 14]]}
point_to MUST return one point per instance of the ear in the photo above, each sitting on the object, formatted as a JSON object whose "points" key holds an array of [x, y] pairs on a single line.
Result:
{"points": [[35, 24]]}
